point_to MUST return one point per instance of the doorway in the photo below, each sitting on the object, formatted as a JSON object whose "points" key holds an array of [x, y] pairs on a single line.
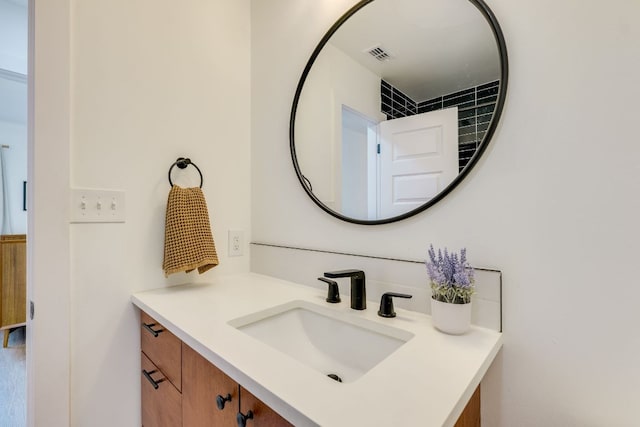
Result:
{"points": [[13, 209], [358, 187]]}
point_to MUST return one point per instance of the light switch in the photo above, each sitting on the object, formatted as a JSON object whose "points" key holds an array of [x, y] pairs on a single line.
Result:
{"points": [[93, 205]]}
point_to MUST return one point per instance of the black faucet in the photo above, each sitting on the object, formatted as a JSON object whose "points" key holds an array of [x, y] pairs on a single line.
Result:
{"points": [[358, 289]]}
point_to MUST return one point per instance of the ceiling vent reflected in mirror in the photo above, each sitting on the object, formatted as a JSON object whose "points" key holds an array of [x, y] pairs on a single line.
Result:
{"points": [[379, 53]]}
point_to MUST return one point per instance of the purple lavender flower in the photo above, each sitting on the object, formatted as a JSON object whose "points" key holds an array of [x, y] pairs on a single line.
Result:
{"points": [[451, 275], [463, 256]]}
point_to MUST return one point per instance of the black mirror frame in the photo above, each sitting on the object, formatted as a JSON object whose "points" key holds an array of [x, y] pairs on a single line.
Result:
{"points": [[504, 69]]}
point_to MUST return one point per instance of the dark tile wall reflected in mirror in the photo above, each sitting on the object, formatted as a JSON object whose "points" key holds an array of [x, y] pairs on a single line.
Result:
{"points": [[475, 109]]}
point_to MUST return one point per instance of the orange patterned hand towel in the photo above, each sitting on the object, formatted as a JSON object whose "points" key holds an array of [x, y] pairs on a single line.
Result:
{"points": [[188, 242]]}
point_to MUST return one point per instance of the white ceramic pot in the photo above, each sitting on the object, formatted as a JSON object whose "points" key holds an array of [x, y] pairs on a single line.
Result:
{"points": [[450, 318]]}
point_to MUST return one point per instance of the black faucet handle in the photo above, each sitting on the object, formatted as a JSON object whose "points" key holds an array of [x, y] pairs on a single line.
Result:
{"points": [[333, 293], [386, 303], [344, 273]]}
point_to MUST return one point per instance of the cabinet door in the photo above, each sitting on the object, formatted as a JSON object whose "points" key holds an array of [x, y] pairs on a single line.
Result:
{"points": [[263, 416], [161, 406], [202, 383]]}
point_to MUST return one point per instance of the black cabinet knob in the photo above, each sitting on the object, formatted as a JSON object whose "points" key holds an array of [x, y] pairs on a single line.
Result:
{"points": [[220, 401], [242, 418]]}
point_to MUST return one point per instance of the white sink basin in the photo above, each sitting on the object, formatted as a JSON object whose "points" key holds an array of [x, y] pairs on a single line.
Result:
{"points": [[328, 341]]}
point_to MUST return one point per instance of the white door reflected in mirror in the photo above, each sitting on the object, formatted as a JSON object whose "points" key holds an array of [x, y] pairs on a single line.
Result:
{"points": [[397, 165], [418, 159]]}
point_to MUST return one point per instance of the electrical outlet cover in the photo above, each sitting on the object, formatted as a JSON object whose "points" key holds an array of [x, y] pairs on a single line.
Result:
{"points": [[236, 241]]}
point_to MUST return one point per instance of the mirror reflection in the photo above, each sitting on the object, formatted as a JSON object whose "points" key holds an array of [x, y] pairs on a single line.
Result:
{"points": [[395, 105]]}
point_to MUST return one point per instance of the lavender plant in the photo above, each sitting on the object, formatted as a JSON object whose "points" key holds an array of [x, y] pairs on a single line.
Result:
{"points": [[451, 276]]}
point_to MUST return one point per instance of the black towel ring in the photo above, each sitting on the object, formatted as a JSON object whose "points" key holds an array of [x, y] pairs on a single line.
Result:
{"points": [[183, 163]]}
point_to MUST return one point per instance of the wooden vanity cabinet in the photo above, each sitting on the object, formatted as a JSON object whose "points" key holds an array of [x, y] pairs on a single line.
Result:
{"points": [[180, 387], [203, 384]]}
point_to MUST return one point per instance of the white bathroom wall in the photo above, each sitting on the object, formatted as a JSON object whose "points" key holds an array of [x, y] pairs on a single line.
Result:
{"points": [[152, 81], [149, 81], [553, 202]]}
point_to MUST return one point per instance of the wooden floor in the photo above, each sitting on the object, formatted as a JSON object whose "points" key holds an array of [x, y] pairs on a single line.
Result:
{"points": [[13, 393]]}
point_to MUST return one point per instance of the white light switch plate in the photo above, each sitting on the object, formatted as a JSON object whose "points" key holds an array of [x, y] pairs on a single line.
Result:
{"points": [[92, 205]]}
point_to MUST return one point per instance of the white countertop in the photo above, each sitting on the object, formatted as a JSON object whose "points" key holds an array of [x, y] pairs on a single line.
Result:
{"points": [[427, 381]]}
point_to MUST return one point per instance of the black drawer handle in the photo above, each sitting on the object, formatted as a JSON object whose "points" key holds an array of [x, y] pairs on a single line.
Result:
{"points": [[149, 327], [153, 382]]}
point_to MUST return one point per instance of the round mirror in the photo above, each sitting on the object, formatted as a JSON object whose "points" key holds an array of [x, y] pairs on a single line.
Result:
{"points": [[395, 106]]}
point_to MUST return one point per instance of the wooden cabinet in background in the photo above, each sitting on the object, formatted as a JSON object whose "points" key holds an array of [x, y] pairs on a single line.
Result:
{"points": [[13, 283]]}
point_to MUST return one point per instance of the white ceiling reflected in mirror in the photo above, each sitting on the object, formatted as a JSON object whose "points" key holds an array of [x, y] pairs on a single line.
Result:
{"points": [[13, 60], [13, 97], [396, 104]]}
